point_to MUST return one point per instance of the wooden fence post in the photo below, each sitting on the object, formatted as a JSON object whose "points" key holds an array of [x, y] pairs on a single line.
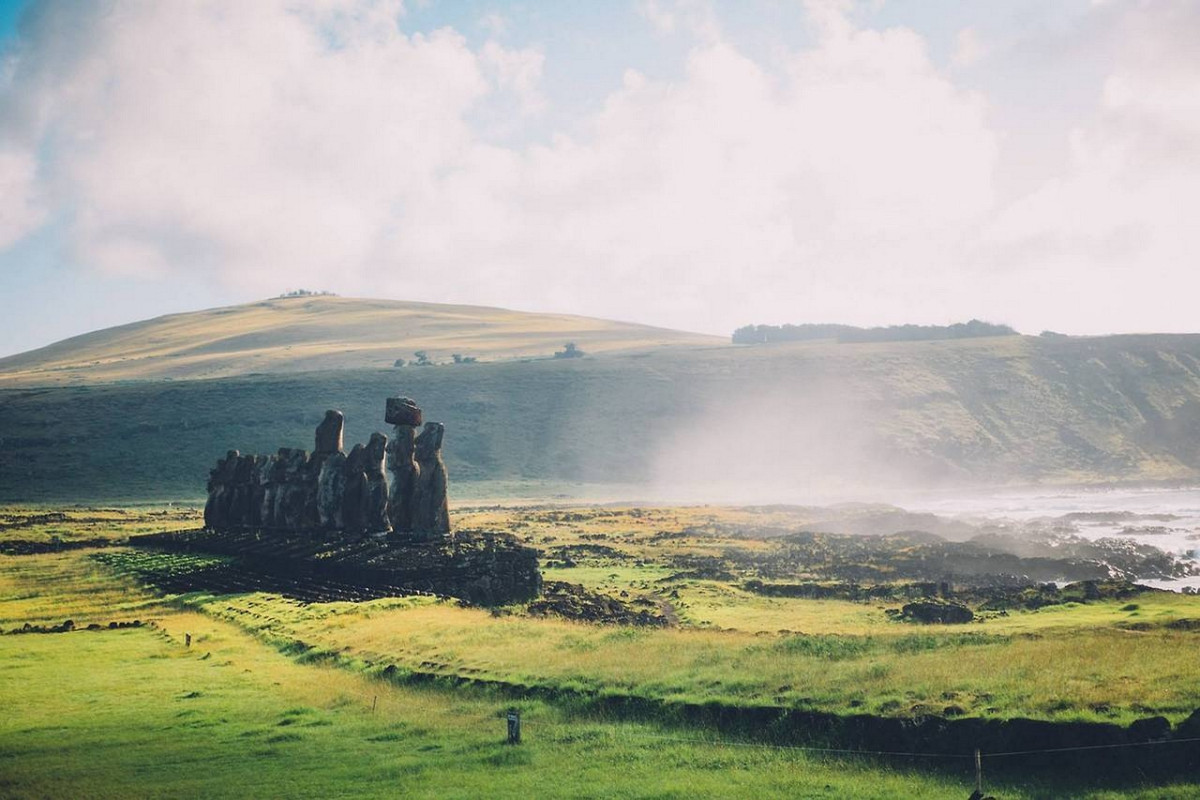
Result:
{"points": [[514, 726]]}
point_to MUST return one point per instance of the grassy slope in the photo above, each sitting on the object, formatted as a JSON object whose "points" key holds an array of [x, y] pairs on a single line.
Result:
{"points": [[1002, 409], [314, 333], [1063, 662], [232, 717]]}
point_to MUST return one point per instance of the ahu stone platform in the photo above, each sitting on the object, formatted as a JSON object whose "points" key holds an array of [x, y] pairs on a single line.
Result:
{"points": [[477, 566], [337, 516]]}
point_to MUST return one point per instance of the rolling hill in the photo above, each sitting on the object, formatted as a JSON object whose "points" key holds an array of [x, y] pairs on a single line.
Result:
{"points": [[300, 334], [648, 414]]}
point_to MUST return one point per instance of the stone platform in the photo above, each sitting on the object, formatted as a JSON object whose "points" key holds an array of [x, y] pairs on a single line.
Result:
{"points": [[480, 567]]}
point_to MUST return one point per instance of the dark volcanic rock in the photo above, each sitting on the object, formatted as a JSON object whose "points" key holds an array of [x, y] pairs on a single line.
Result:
{"points": [[291, 493], [934, 612], [329, 434], [477, 566], [291, 500], [354, 496], [375, 510], [431, 512], [573, 601], [404, 469], [220, 485], [402, 411], [1149, 729], [331, 487]]}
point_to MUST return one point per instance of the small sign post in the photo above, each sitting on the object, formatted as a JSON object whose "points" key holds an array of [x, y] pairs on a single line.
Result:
{"points": [[514, 726]]}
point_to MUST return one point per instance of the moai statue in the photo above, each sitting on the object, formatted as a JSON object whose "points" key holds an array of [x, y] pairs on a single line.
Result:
{"points": [[271, 476], [290, 493], [354, 494], [323, 503], [260, 472], [331, 489], [220, 486], [431, 512], [375, 512], [239, 496], [329, 434], [405, 417]]}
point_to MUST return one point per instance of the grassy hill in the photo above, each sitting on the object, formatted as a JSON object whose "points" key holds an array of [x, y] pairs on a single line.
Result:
{"points": [[317, 333], [768, 423]]}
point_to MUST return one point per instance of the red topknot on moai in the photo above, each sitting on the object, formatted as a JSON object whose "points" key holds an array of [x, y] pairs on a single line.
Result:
{"points": [[417, 506]]}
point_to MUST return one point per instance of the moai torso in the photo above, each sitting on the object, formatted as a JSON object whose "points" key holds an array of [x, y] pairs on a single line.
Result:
{"points": [[431, 511], [375, 512]]}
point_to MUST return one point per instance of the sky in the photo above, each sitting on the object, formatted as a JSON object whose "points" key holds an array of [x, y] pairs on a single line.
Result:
{"points": [[691, 164]]}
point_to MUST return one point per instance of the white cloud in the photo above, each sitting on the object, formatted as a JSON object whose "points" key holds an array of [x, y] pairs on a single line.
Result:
{"points": [[969, 48], [850, 180], [800, 193], [495, 23], [20, 210], [695, 17], [1117, 223], [518, 71]]}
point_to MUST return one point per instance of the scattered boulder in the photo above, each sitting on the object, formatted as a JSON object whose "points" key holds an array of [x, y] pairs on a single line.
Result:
{"points": [[934, 612], [572, 601], [1149, 729]]}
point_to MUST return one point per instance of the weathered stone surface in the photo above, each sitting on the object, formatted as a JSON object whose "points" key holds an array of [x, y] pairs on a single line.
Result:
{"points": [[937, 612], [220, 485], [331, 486], [404, 469], [354, 496], [477, 566], [290, 497], [431, 511], [402, 411], [241, 492], [375, 510], [329, 433], [336, 491]]}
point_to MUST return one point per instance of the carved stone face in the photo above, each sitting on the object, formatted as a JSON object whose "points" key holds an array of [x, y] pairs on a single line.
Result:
{"points": [[430, 441], [329, 433], [356, 459], [376, 449]]}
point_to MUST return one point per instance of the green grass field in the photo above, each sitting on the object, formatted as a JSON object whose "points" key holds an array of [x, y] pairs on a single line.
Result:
{"points": [[273, 698], [135, 713]]}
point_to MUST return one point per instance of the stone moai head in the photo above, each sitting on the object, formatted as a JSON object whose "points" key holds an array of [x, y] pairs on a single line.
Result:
{"points": [[429, 443], [375, 450], [243, 469], [226, 467], [329, 433], [402, 411]]}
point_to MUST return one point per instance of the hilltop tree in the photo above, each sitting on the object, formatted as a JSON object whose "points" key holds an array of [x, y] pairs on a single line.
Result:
{"points": [[569, 351]]}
